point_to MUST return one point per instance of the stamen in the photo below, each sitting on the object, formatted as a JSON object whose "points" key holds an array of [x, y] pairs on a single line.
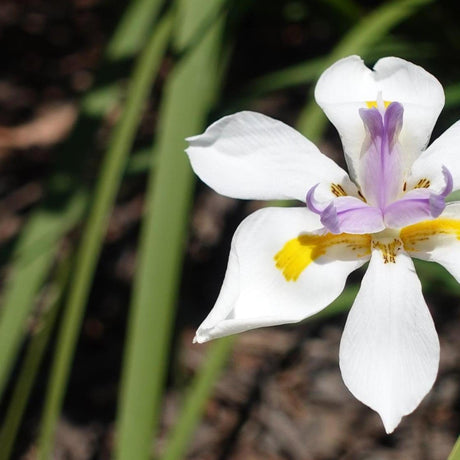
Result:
{"points": [[338, 190], [388, 250], [423, 183]]}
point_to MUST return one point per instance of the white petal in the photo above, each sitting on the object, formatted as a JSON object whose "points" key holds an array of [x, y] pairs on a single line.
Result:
{"points": [[442, 152], [437, 240], [389, 352], [251, 156], [256, 293], [348, 84]]}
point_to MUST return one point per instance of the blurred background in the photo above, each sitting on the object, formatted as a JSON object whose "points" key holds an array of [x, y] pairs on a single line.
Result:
{"points": [[112, 254]]}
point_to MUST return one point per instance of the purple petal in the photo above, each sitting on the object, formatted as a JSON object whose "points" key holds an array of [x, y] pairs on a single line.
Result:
{"points": [[348, 214], [381, 166], [313, 204], [393, 122], [418, 204], [449, 182]]}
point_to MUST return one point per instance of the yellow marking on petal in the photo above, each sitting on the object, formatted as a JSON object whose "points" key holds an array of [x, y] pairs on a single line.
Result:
{"points": [[373, 104], [389, 250], [416, 235], [297, 254], [422, 183], [338, 190]]}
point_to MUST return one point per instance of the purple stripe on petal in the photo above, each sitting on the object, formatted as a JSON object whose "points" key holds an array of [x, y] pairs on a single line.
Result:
{"points": [[381, 172], [373, 123], [370, 174], [393, 122], [350, 215]]}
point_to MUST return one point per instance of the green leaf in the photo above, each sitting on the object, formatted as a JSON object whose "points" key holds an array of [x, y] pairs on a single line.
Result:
{"points": [[93, 235], [189, 95], [452, 95], [455, 454], [307, 72], [65, 201], [133, 29], [33, 358], [196, 398], [31, 262]]}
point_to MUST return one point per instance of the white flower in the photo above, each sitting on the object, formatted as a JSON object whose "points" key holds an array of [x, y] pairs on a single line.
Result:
{"points": [[287, 264]]}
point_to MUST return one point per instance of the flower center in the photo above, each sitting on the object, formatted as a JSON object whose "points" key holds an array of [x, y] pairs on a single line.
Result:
{"points": [[389, 243], [298, 253]]}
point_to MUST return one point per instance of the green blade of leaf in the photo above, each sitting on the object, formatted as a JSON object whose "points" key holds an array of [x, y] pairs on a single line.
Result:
{"points": [[307, 72], [455, 454], [452, 95], [93, 235], [31, 263], [33, 358], [133, 29], [347, 8], [196, 397], [65, 202], [188, 96]]}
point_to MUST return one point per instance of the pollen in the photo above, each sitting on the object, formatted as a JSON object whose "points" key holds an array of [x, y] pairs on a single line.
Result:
{"points": [[420, 236], [297, 254], [373, 104], [389, 250], [422, 183], [338, 190]]}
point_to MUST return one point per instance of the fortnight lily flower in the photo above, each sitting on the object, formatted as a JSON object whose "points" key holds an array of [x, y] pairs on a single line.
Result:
{"points": [[287, 264]]}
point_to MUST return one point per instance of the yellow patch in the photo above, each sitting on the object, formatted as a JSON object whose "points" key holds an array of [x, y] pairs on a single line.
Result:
{"points": [[373, 104], [298, 253], [413, 236]]}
